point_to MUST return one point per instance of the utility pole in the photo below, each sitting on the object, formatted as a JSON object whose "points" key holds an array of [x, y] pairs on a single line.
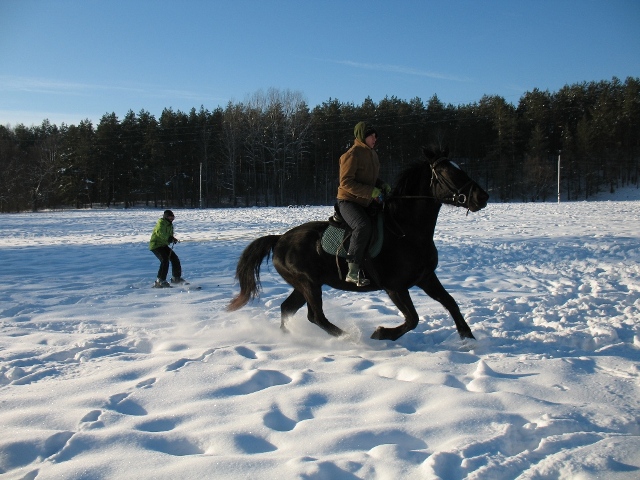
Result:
{"points": [[559, 152]]}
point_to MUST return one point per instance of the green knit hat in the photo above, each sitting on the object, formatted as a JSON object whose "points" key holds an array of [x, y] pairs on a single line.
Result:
{"points": [[358, 131], [361, 131]]}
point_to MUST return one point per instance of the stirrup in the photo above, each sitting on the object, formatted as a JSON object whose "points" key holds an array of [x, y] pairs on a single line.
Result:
{"points": [[360, 281]]}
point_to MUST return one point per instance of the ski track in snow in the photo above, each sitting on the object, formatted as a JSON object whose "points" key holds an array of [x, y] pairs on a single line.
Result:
{"points": [[102, 376]]}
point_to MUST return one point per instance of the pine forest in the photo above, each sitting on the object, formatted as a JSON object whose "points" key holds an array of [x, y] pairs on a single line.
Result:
{"points": [[274, 150]]}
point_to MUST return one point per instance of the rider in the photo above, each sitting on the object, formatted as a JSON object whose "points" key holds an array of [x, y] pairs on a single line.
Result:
{"points": [[359, 186]]}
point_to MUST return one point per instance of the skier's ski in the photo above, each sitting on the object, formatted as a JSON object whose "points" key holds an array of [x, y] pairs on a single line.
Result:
{"points": [[181, 286], [189, 287], [185, 285]]}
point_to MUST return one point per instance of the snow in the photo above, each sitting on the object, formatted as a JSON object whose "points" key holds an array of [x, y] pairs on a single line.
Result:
{"points": [[102, 376]]}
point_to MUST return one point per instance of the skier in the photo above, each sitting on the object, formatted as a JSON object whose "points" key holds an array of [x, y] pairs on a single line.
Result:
{"points": [[161, 237]]}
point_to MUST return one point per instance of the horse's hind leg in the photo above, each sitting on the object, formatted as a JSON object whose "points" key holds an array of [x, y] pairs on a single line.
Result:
{"points": [[289, 307], [432, 287], [316, 315], [403, 301]]}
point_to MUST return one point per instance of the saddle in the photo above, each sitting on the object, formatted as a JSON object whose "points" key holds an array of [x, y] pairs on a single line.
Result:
{"points": [[335, 239]]}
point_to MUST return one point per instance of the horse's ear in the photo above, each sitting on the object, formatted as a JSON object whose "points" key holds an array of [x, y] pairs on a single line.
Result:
{"points": [[445, 153], [429, 153]]}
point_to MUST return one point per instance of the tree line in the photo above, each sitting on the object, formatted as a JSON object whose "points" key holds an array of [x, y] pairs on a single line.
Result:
{"points": [[274, 150]]}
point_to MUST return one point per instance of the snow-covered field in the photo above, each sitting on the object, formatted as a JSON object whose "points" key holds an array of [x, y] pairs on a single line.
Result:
{"points": [[102, 376]]}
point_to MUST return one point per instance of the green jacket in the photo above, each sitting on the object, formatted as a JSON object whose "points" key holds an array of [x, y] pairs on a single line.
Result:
{"points": [[162, 232], [359, 168]]}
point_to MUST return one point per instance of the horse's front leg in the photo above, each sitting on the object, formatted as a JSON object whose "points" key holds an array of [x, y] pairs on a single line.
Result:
{"points": [[432, 287], [403, 301]]}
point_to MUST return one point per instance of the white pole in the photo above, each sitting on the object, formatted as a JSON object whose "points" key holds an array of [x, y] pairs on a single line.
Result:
{"points": [[558, 178]]}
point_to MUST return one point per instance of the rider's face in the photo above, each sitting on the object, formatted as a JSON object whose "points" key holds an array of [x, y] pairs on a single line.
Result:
{"points": [[371, 140]]}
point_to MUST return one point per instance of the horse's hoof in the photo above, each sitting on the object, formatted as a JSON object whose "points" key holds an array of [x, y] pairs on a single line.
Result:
{"points": [[337, 332], [386, 333], [284, 329], [468, 334], [378, 334]]}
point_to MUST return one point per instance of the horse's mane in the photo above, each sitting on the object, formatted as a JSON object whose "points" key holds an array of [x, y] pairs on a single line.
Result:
{"points": [[409, 179]]}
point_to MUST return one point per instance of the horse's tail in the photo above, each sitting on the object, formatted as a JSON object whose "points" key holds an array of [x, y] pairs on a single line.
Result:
{"points": [[248, 270]]}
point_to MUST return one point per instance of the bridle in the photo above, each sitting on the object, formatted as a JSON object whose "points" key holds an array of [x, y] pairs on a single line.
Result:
{"points": [[455, 195]]}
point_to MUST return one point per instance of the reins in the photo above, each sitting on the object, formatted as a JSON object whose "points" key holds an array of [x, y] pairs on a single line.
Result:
{"points": [[411, 197]]}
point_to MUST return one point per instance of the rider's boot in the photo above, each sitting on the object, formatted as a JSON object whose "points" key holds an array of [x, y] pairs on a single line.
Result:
{"points": [[354, 275]]}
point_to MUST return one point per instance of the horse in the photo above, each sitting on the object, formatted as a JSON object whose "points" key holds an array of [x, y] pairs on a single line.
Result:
{"points": [[408, 256]]}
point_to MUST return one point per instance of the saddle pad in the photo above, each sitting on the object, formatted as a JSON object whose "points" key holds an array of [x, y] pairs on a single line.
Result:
{"points": [[333, 237]]}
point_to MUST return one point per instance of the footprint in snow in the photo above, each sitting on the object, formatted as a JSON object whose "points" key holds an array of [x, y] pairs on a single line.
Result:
{"points": [[122, 404], [178, 447], [258, 380], [158, 425], [92, 416], [276, 420], [405, 408], [246, 352], [54, 446], [177, 365], [311, 402], [252, 444], [146, 383]]}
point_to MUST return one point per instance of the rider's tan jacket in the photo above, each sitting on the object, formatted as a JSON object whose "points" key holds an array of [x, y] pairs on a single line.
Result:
{"points": [[359, 169]]}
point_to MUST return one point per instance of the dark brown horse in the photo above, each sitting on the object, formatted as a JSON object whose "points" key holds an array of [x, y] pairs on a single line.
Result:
{"points": [[408, 256]]}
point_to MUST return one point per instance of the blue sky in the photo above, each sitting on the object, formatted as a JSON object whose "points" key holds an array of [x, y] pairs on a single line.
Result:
{"points": [[69, 60]]}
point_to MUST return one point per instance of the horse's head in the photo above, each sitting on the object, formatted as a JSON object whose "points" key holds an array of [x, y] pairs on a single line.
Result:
{"points": [[451, 185]]}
